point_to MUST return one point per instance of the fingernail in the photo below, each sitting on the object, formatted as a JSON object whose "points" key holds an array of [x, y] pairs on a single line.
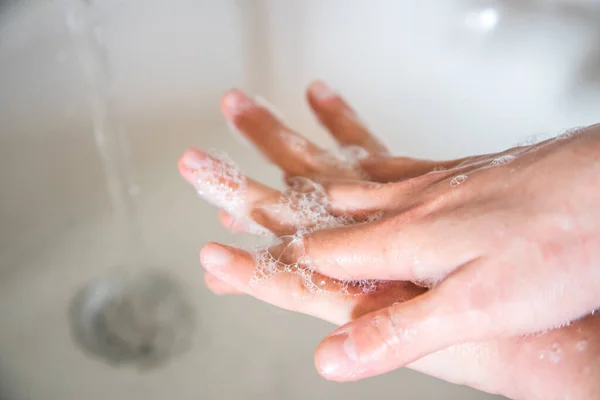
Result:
{"points": [[337, 356], [194, 159], [235, 102], [321, 91], [215, 257]]}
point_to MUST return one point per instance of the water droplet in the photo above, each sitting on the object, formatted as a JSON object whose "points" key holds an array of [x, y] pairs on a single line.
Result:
{"points": [[555, 353], [534, 139], [502, 160], [295, 142], [581, 345], [564, 324], [458, 180], [353, 154], [568, 133]]}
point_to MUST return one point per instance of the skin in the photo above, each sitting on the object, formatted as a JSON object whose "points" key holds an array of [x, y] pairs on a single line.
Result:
{"points": [[527, 260]]}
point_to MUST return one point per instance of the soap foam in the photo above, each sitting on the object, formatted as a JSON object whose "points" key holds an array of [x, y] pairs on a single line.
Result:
{"points": [[347, 159], [294, 142], [458, 180], [304, 205], [570, 133], [219, 181], [508, 158]]}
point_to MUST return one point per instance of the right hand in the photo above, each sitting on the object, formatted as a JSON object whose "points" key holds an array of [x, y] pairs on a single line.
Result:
{"points": [[489, 366]]}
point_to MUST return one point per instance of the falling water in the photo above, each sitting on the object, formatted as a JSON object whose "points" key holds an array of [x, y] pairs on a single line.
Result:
{"points": [[142, 318], [83, 22]]}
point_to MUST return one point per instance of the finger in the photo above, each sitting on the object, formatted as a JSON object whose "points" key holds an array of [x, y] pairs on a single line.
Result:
{"points": [[217, 286], [289, 150], [229, 222], [237, 268], [212, 177], [416, 244], [471, 305], [395, 169], [308, 204], [250, 225], [221, 182], [482, 365], [248, 204], [335, 114], [361, 197], [294, 292], [400, 334]]}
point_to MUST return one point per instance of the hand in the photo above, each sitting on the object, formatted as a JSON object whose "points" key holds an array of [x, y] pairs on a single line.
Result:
{"points": [[406, 211]]}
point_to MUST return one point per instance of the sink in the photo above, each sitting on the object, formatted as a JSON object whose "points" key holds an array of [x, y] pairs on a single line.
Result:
{"points": [[432, 80]]}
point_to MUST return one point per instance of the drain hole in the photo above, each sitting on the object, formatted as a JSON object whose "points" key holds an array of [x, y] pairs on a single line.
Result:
{"points": [[142, 320]]}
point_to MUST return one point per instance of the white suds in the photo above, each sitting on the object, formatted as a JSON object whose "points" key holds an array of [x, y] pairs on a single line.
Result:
{"points": [[502, 160], [306, 207], [457, 180], [219, 181]]}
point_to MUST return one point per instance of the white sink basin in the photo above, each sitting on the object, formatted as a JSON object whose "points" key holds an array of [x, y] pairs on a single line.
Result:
{"points": [[433, 80]]}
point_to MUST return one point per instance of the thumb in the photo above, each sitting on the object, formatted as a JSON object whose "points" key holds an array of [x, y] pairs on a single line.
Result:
{"points": [[396, 336]]}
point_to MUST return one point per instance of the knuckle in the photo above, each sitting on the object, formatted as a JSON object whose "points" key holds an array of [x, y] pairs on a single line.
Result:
{"points": [[468, 293], [387, 328]]}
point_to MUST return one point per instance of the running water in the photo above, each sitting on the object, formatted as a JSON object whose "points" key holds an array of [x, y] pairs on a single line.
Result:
{"points": [[83, 22], [139, 316]]}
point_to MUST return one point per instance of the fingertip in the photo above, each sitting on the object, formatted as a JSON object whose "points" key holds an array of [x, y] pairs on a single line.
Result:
{"points": [[333, 358], [320, 91], [192, 156], [189, 161], [313, 86], [234, 102], [216, 257]]}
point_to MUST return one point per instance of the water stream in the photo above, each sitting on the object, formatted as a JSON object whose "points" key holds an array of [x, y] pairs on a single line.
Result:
{"points": [[83, 20], [139, 315]]}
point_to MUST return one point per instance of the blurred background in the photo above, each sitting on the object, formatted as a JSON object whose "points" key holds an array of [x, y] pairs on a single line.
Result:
{"points": [[99, 98]]}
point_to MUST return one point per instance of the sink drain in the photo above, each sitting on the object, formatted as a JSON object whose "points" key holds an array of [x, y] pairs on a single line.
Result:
{"points": [[142, 320]]}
